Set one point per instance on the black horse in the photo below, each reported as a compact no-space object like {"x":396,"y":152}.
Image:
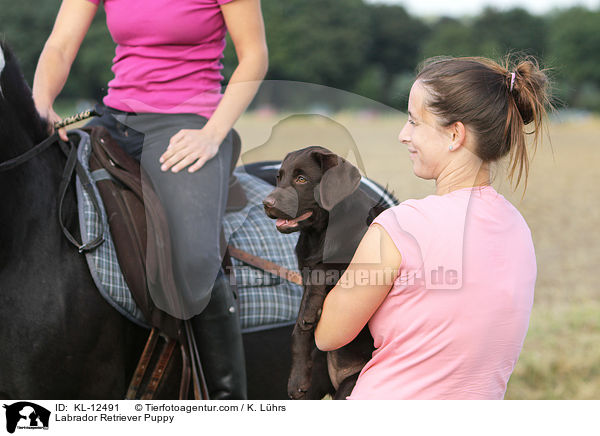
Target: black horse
{"x":59,"y":338}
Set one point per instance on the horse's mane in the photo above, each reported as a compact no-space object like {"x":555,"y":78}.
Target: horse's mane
{"x":18,"y":115}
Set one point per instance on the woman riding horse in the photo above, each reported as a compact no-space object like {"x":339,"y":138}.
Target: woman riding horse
{"x":165,"y":108}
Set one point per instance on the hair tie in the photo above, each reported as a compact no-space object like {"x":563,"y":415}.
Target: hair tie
{"x":512,"y":81}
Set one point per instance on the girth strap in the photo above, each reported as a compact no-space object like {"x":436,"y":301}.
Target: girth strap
{"x":265,"y":265}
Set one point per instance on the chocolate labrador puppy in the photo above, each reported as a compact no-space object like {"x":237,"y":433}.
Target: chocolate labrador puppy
{"x":318,"y":195}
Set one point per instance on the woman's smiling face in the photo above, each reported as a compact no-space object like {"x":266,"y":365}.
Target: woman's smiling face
{"x":426,"y":139}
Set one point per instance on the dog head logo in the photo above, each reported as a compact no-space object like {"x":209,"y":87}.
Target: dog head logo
{"x":26,"y":415}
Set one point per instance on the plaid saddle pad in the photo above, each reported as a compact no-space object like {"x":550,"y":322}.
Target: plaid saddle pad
{"x":263,"y":298}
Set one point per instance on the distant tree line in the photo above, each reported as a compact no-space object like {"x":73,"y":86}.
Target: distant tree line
{"x":369,"y":49}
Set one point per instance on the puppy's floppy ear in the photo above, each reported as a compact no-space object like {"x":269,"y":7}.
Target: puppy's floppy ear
{"x":340,"y":178}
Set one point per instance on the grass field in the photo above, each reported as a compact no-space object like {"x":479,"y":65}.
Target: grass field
{"x":561,"y":354}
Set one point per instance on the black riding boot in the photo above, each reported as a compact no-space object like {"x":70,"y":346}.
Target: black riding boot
{"x":219,"y":338}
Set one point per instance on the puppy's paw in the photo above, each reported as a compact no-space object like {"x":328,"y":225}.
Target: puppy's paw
{"x":298,"y":392}
{"x":298,"y":386}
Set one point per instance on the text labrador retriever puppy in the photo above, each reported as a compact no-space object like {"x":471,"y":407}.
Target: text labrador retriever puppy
{"x":318,"y":195}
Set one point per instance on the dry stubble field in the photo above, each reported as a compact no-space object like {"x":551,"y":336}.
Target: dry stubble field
{"x":561,"y":354}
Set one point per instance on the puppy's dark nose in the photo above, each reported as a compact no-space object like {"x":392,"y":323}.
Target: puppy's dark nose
{"x":269,"y":201}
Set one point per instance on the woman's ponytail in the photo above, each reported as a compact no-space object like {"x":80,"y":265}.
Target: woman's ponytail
{"x":528,"y":100}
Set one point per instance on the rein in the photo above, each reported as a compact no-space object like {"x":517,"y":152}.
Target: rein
{"x":70,"y":151}
{"x":15,"y":162}
{"x":37,"y":149}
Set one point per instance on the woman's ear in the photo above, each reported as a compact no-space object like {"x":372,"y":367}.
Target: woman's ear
{"x":458,"y":135}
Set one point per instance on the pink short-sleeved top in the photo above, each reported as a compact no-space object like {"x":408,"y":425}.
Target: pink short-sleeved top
{"x":453,"y":324}
{"x":168,"y":55}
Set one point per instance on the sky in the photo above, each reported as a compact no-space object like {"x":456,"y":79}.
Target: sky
{"x":473,"y":7}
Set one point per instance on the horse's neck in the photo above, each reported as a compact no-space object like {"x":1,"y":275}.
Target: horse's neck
{"x":16,"y":134}
{"x":29,"y":194}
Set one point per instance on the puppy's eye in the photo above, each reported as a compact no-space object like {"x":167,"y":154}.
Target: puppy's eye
{"x":301,"y":179}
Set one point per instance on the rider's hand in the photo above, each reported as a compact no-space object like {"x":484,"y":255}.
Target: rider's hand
{"x":52,"y":117}
{"x":192,"y":147}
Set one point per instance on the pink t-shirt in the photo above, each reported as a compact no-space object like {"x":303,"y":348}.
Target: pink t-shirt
{"x":168,"y":55}
{"x":453,"y":324}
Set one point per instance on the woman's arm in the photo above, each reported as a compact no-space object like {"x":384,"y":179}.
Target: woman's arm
{"x":71,"y":25}
{"x":360,"y":291}
{"x":245,"y":25}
